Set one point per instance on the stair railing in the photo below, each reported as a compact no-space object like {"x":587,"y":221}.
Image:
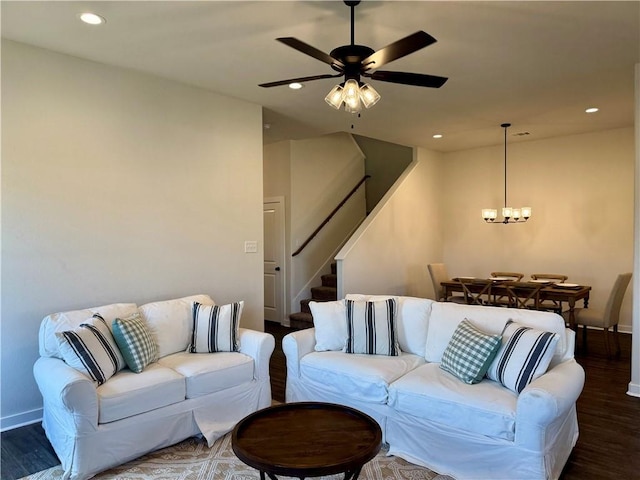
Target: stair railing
{"x":330,"y":216}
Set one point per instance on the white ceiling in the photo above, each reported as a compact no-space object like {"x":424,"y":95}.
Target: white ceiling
{"x":536,"y":64}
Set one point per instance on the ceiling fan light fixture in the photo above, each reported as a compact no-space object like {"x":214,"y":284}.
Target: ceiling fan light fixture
{"x":334,"y":97}
{"x":369,"y":95}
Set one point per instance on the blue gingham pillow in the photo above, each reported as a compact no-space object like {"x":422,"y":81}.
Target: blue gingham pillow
{"x":91,"y":349}
{"x":372,"y":327}
{"x":135,"y":341}
{"x":470,"y":352}
{"x":524,"y":356}
{"x":215,"y":328}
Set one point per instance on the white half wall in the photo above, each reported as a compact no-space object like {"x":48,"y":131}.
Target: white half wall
{"x":118,"y":187}
{"x":390,"y":251}
{"x":634,"y":384}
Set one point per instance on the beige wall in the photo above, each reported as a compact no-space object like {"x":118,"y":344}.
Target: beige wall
{"x":118,"y":187}
{"x":581,"y":191}
{"x":390,"y":251}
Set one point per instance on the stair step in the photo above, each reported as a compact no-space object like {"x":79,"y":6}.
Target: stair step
{"x":301,"y":320}
{"x":330,"y":280}
{"x":304,"y":305}
{"x":324,"y":293}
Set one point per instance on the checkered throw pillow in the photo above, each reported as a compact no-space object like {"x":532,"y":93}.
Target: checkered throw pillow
{"x":470,"y":352}
{"x":135,"y":341}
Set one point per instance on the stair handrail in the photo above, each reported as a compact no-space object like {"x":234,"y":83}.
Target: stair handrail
{"x":330,"y":216}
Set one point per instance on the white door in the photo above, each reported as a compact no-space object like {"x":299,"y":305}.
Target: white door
{"x":274,"y":259}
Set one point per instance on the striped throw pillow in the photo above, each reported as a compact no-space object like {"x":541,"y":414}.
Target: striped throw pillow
{"x":135,"y":341}
{"x":372,"y":327}
{"x":470,"y":352}
{"x":215,"y":328}
{"x":524,"y":356}
{"x":91,"y":349}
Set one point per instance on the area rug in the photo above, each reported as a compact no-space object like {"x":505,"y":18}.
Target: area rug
{"x":193,"y":460}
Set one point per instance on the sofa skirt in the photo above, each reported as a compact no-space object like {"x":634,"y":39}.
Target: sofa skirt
{"x":470,"y":456}
{"x":111,"y":444}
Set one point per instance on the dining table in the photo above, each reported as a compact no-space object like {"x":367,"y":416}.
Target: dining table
{"x":525,"y":294}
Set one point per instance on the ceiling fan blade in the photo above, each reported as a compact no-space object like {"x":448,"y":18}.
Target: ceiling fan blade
{"x":299,"y":80}
{"x":417,"y":79}
{"x":398,"y":49}
{"x":311,"y":51}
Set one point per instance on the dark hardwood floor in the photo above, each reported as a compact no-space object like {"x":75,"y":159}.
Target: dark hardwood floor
{"x":608,"y":447}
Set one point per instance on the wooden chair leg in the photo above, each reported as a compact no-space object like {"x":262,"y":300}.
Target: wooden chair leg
{"x":606,"y":342}
{"x":617,"y":339}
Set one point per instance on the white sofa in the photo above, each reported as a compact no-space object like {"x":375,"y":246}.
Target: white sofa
{"x":431,"y":418}
{"x":93,"y":428}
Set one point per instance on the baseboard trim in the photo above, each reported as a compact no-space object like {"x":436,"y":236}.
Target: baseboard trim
{"x":634,"y":390}
{"x":20,"y":420}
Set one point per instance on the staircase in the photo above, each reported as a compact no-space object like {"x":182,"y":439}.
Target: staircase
{"x":325,"y":293}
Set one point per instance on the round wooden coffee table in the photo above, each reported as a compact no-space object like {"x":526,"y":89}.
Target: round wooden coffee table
{"x":307,"y":439}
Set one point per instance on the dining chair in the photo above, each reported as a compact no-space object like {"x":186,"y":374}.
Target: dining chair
{"x":438,"y":272}
{"x":515,"y":276}
{"x":475,"y":290}
{"x":552,"y":305}
{"x":522,"y":294}
{"x":503,"y":300}
{"x":605,"y":319}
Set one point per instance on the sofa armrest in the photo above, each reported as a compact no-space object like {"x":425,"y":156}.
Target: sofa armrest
{"x":295,"y":346}
{"x":69,"y":396}
{"x":546,"y":400}
{"x":259,"y":346}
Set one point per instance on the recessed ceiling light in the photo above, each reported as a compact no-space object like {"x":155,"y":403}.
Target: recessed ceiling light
{"x":295,"y":86}
{"x":591,"y":110}
{"x":437,"y":135}
{"x":91,"y":18}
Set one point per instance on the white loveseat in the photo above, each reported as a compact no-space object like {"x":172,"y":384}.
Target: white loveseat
{"x":428,"y":416}
{"x":93,"y":428}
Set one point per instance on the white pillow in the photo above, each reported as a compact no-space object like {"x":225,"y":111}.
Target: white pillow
{"x":525,"y":354}
{"x":372,"y":327}
{"x":329,"y":320}
{"x":59,"y":322}
{"x":91,"y":349}
{"x":413,"y":320}
{"x":171,"y":322}
{"x":215,"y":328}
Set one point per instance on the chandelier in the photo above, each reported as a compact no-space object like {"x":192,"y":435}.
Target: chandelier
{"x":353,"y":94}
{"x":509,"y":214}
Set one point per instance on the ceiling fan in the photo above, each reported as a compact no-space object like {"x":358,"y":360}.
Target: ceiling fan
{"x":355,"y":61}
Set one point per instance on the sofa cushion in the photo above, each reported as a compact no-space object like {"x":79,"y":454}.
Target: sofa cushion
{"x":329,"y":320}
{"x":58,"y":322}
{"x":127,"y":393}
{"x":208,"y":373}
{"x":372,"y":327}
{"x":413,"y":320}
{"x":135,"y":341}
{"x":470,"y":353}
{"x":428,"y":392}
{"x":358,"y":377}
{"x":524,"y":356}
{"x":170,"y":322}
{"x":91,"y":349}
{"x":445,"y":317}
{"x":215,"y":327}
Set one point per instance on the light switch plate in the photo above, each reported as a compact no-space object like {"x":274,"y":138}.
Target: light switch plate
{"x":251,"y":246}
